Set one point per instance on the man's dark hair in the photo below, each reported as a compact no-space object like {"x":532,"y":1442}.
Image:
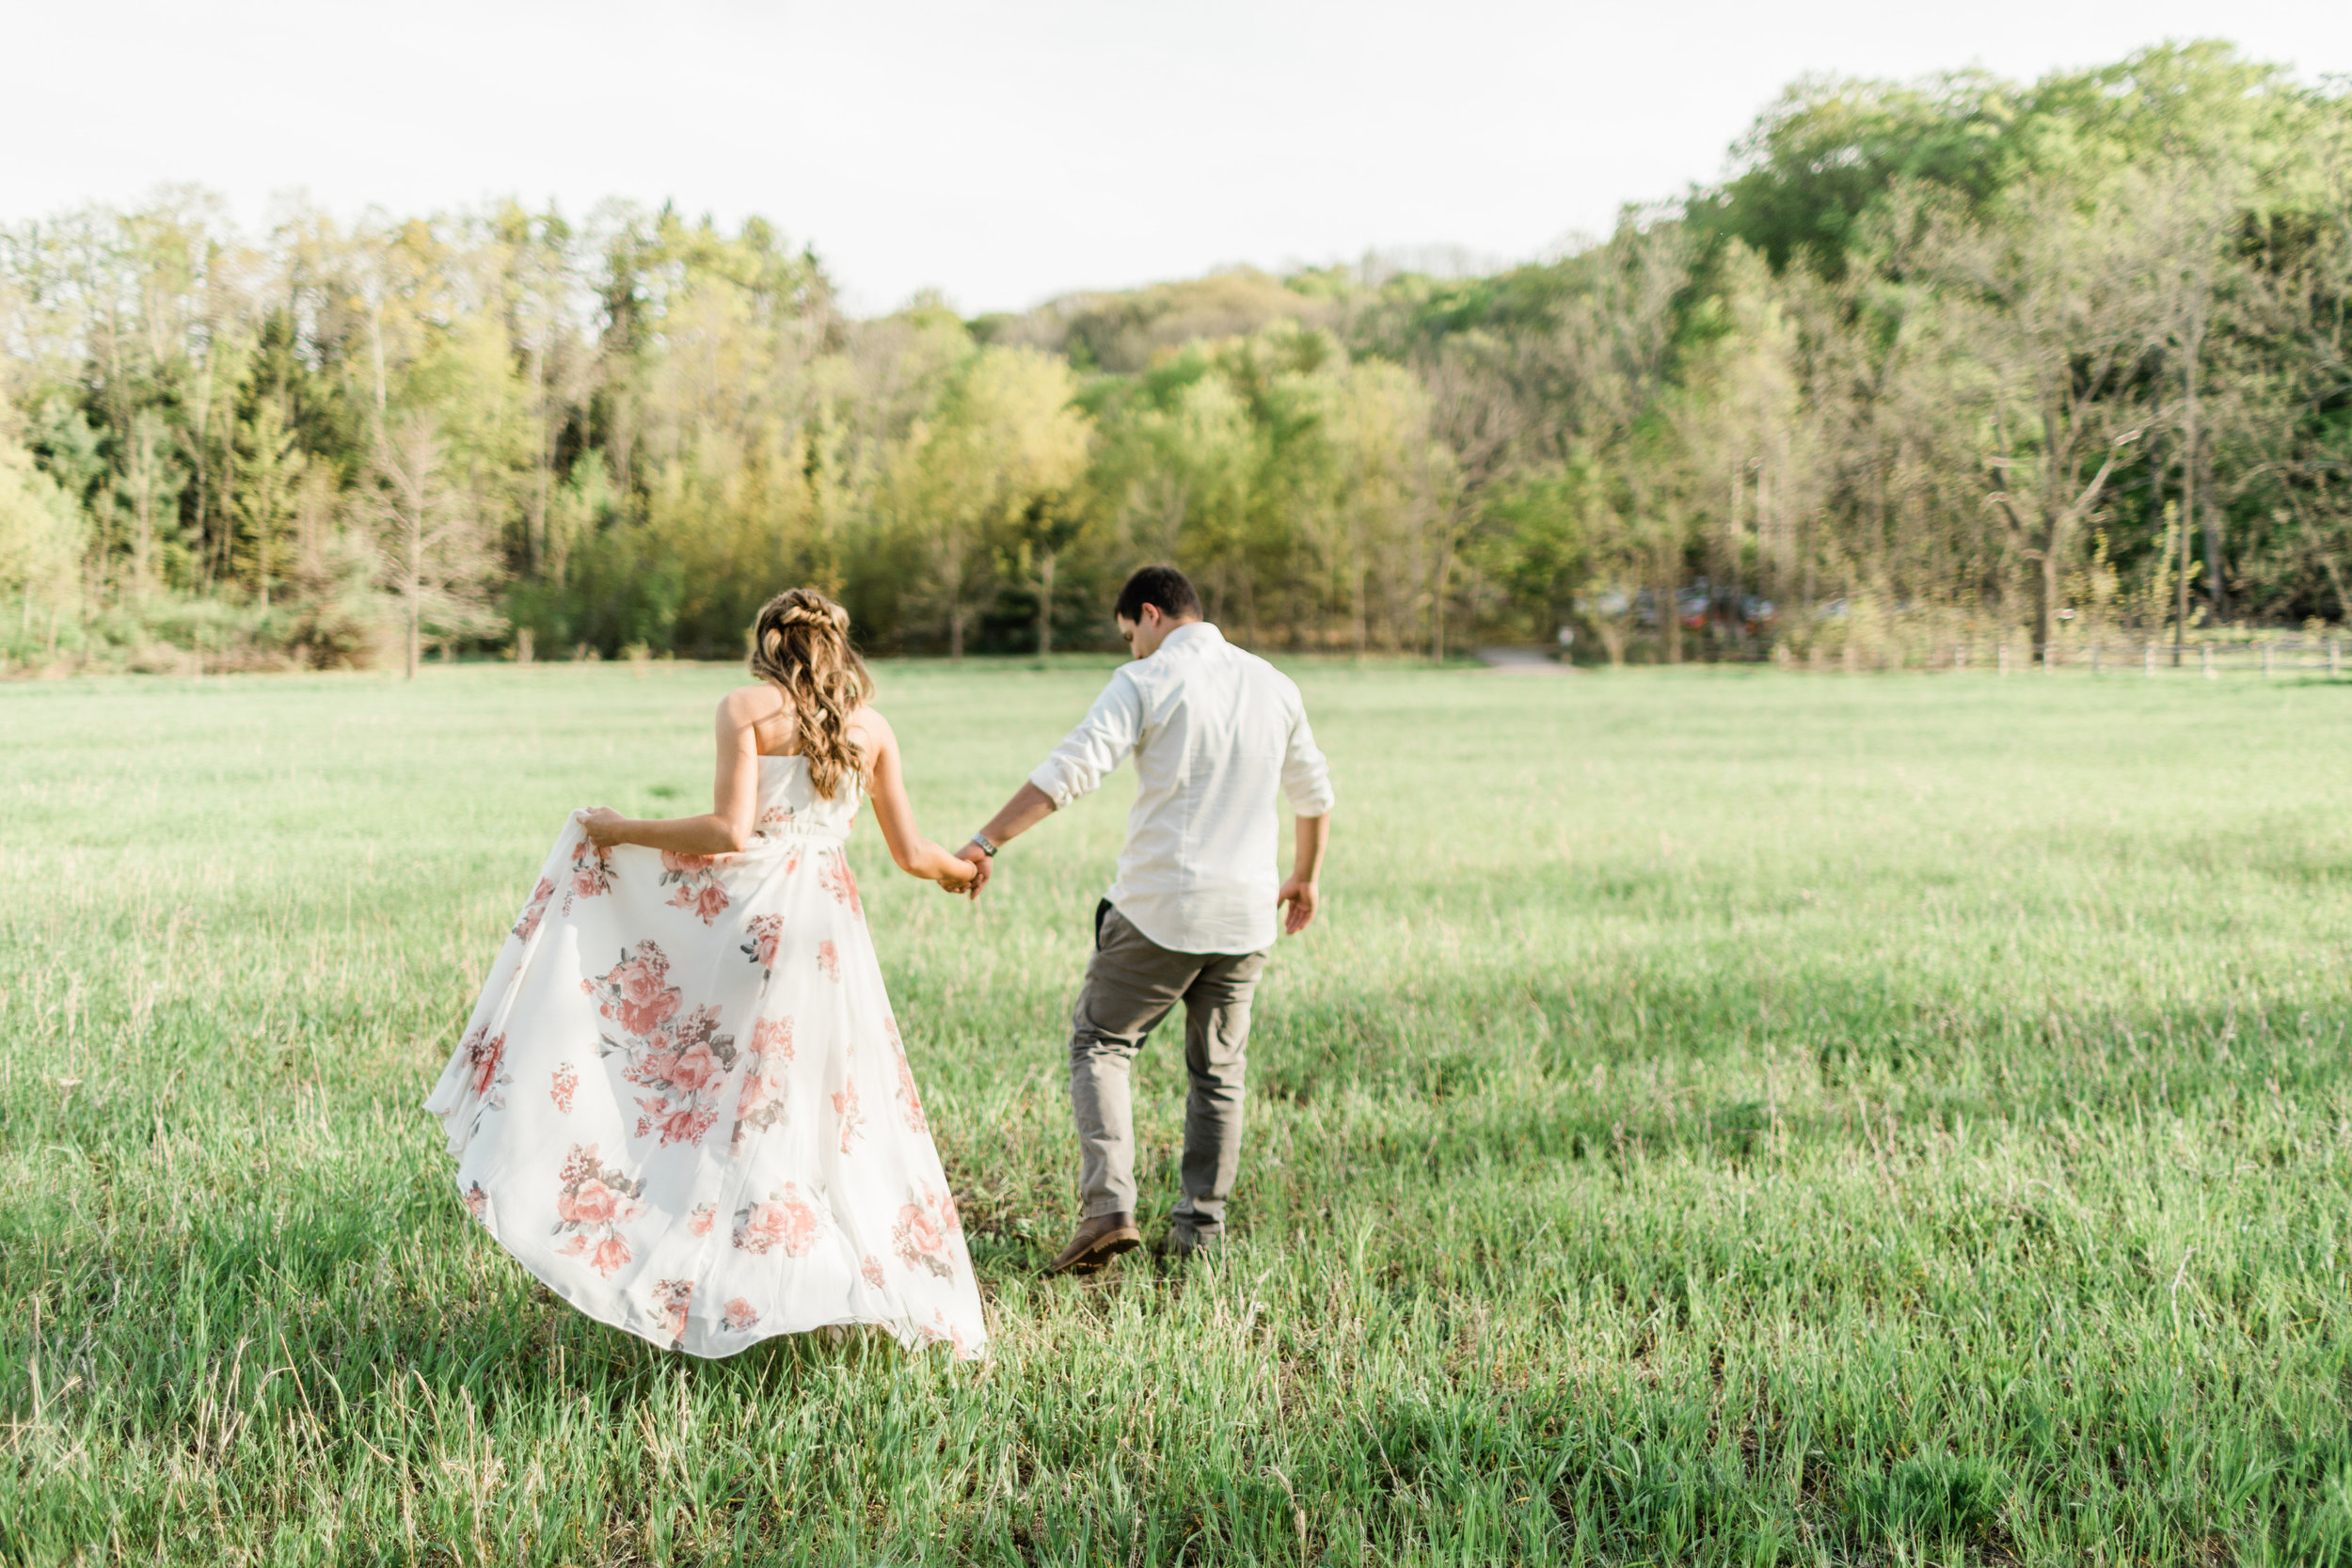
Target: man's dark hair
{"x":1163,"y":586}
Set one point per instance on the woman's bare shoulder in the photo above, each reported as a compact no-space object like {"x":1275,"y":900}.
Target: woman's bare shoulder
{"x":749,"y":705}
{"x":867,"y":720}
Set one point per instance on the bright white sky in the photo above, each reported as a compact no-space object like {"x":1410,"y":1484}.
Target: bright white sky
{"x":1005,"y":152}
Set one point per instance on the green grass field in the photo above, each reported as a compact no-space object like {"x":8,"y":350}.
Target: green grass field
{"x":1721,"y":1117}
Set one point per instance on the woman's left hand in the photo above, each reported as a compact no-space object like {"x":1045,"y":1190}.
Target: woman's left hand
{"x":603,"y":825}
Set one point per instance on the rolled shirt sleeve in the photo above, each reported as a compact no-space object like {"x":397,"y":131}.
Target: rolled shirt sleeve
{"x":1101,"y":742}
{"x":1306,"y":777}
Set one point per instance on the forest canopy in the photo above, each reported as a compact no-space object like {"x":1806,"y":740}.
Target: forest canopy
{"x":1942,"y":359}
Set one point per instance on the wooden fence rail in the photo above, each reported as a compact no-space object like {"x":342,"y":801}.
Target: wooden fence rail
{"x":2288,"y":655}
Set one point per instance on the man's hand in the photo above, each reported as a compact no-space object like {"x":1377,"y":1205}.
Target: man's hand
{"x":602,"y":825}
{"x":981,"y":867}
{"x":1302,"y":897}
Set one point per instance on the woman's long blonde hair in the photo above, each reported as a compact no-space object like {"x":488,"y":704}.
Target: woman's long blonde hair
{"x":800,"y":644}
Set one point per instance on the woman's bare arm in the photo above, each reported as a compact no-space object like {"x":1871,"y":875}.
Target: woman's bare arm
{"x":893,"y":815}
{"x":733,"y":790}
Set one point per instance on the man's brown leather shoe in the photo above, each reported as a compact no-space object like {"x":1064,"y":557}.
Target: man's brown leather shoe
{"x":1098,"y":1240}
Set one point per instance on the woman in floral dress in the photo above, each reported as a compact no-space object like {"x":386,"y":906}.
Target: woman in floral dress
{"x":682,"y":1101}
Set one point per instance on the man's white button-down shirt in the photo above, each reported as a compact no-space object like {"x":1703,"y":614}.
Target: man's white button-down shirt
{"x":1215,"y":732}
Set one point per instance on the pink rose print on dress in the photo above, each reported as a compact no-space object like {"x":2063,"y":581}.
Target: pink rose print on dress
{"x":687,"y":1069}
{"x":698,"y":890}
{"x":910,"y":1103}
{"x":775,"y":818}
{"x":871,"y":1271}
{"x":782,"y":1221}
{"x":920,"y":1237}
{"x":528,"y":920}
{"x":698,"y":1224}
{"x":486,"y":1077}
{"x":829,"y":962}
{"x":766,"y":931}
{"x":738,"y":1317}
{"x":835,"y":878}
{"x":595,"y":1202}
{"x":684,"y":1060}
{"x":561,"y":1082}
{"x":670,"y":1298}
{"x":760,"y":1099}
{"x":939,"y":1331}
{"x":478,"y":1203}
{"x":853,"y":1120}
{"x":592,"y":872}
{"x":486,"y":1066}
{"x":634,"y":992}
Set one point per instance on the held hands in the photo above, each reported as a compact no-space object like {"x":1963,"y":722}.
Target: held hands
{"x":956,"y":874}
{"x":973,"y":856}
{"x":964,"y":873}
{"x":1303,"y":898}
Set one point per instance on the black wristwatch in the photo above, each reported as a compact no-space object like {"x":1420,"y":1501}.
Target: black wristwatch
{"x":986,"y":848}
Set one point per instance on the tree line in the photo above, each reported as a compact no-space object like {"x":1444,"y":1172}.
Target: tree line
{"x":1942,"y":360}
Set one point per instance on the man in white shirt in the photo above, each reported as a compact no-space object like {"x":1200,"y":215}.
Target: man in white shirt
{"x":1216,"y":733}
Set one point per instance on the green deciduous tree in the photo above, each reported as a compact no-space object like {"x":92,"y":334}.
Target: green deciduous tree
{"x":1003,"y":446}
{"x":1877,"y":377}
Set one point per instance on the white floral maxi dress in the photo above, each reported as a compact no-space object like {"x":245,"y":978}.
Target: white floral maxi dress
{"x":683,"y":1103}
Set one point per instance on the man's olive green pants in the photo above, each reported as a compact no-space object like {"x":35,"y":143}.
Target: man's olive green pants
{"x":1132,"y":983}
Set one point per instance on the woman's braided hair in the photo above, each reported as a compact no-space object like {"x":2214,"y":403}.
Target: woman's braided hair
{"x":800,"y":644}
